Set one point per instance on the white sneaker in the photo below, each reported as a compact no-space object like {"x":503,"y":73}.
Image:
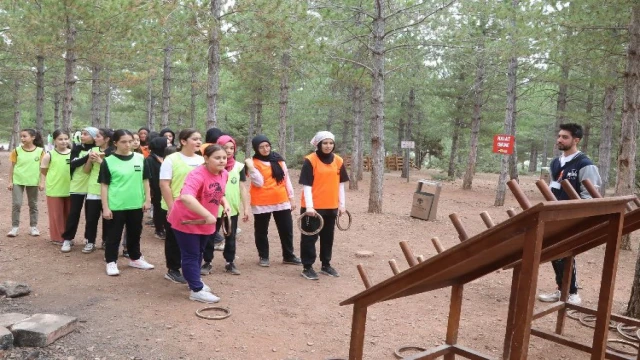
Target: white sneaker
{"x":205,"y":287}
{"x":66,"y":246}
{"x":204,"y":296}
{"x":238,"y":231}
{"x":13,"y":232}
{"x":574,"y":299}
{"x":88,"y":248}
{"x":550,"y":297}
{"x":34,"y":231}
{"x":112,"y":269}
{"x":141,"y":264}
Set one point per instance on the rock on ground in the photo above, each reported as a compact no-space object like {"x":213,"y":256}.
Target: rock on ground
{"x":42,"y":329}
{"x":6,"y":340}
{"x":7,"y":320}
{"x":14,"y":289}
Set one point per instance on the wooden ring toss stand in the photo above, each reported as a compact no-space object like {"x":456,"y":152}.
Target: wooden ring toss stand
{"x":539,"y":234}
{"x":348,"y":223}
{"x":226,"y":313}
{"x":310,"y":233}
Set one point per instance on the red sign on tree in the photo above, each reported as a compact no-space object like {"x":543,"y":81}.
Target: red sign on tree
{"x":503,"y":144}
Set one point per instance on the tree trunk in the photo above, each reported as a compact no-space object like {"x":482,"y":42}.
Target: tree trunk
{"x":213,"y":82}
{"x":150,"y":118}
{"x":194,"y":96}
{"x":358,"y":121}
{"x":376,"y":187}
{"x":533,"y":158}
{"x":401,"y":129}
{"x":250,"y":135}
{"x":40,"y":94}
{"x":545,"y":147}
{"x":107,"y":103}
{"x":343,"y":147}
{"x":15,"y":134}
{"x":166,"y":87}
{"x":508,"y":162}
{"x":259,"y":105}
{"x":587,"y":127}
{"x":478,"y":91}
{"x":70,"y":75}
{"x":563,"y":89}
{"x":406,"y":161}
{"x":455,"y":137}
{"x":330,"y":118}
{"x":56,"y":109}
{"x":606,"y":132}
{"x":284,"y":102}
{"x":625,"y":179}
{"x":95,"y":96}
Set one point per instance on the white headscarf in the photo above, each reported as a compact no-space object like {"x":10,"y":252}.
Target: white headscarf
{"x":321,"y":135}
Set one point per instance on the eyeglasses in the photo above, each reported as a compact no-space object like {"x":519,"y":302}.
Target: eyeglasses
{"x":264,"y":147}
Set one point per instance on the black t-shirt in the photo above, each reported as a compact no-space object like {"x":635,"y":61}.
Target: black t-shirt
{"x":105,"y":175}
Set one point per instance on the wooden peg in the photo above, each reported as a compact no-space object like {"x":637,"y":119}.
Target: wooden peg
{"x":420,"y":258}
{"x":511,"y":213}
{"x":462,"y":233}
{"x":545,"y":190}
{"x":519,"y":195}
{"x":636,"y":201}
{"x":364,"y":276}
{"x":411,"y":260}
{"x":591,"y":189}
{"x":569,"y":190}
{"x":436,"y":243}
{"x":487,"y":219}
{"x":394,"y":266}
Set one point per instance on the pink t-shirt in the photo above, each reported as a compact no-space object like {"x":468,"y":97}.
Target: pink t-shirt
{"x":208,"y":189}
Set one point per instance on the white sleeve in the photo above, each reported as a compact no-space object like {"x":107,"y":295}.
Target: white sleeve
{"x":166,"y":169}
{"x":308,"y":196}
{"x":287,"y":181}
{"x":341,"y":196}
{"x":256,"y":177}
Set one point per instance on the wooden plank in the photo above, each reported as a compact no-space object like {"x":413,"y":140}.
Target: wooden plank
{"x":358,"y":324}
{"x":607,"y":285}
{"x":559,"y":339}
{"x":527,"y":284}
{"x":564,"y":293}
{"x":470,"y":353}
{"x":515,"y":277}
{"x":455,"y":311}
{"x":550,"y":309}
{"x":431,"y":353}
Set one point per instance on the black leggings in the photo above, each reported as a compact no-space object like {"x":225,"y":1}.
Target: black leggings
{"x":284,"y":224}
{"x":77,"y":201}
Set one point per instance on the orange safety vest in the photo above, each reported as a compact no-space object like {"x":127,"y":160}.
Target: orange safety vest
{"x":270,"y":193}
{"x":326,"y":182}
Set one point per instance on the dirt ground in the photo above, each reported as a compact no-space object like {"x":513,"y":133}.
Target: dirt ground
{"x":277,"y":314}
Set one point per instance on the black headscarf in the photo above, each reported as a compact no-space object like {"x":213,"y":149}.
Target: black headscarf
{"x":165,"y":131}
{"x":325,"y":158}
{"x":212,"y":135}
{"x":276,"y":170}
{"x":146,"y":141}
{"x":157,"y":146}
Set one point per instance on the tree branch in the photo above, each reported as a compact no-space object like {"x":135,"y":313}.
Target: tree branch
{"x":350,"y":8}
{"x":418,"y":22}
{"x":353,"y":62}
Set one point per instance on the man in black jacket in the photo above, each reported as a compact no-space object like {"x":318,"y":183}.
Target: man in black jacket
{"x":576,"y":167}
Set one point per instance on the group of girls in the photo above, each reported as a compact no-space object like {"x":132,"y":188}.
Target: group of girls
{"x":192,"y":191}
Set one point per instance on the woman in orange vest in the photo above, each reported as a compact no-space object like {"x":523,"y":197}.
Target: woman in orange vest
{"x":322,"y":176}
{"x":271,"y":193}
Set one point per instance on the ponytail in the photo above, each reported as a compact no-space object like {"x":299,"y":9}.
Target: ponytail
{"x":37,"y":141}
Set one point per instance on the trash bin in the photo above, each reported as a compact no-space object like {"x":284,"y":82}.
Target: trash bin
{"x":425,"y":203}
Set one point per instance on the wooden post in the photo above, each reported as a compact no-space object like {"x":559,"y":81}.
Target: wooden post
{"x":545,"y":190}
{"x":437,"y":244}
{"x":515,"y":278}
{"x":462,"y":233}
{"x":411,"y":260}
{"x":358,"y":325}
{"x":394,"y":266}
{"x":455,"y":311}
{"x":592,"y":189}
{"x":518,"y":194}
{"x":511,"y":213}
{"x":564,"y":292}
{"x":364,"y":276}
{"x":607,"y":284}
{"x":487,"y":219}
{"x":568,"y":188}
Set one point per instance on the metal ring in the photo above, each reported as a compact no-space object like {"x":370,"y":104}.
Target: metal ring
{"x":401,"y":349}
{"x":225,"y":227}
{"x":588,"y":320}
{"x":625,"y":342}
{"x":338,"y":221}
{"x":226,"y":311}
{"x":628,"y":332}
{"x":315,"y":232}
{"x":574,"y":314}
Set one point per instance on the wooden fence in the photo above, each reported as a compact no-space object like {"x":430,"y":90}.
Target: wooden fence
{"x":392,"y":162}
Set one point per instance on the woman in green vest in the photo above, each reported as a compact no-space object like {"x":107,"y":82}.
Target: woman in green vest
{"x":24,"y":175}
{"x":125,"y":196}
{"x":55,"y":179}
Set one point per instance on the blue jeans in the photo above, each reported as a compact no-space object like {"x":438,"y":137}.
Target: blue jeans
{"x":191,"y":250}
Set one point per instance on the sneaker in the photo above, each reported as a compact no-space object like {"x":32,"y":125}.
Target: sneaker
{"x":112,"y":269}
{"x":293,"y":261}
{"x":33,"y":231}
{"x":550,"y":297}
{"x":89,"y":248}
{"x":238,"y":231}
{"x":160,"y":235}
{"x":205,"y":287}
{"x":13,"y":232}
{"x":328,"y":270}
{"x":141,"y":264}
{"x":574,"y":299}
{"x":203,"y":296}
{"x":125,"y":253}
{"x":231,"y":268}
{"x":219,"y":246}
{"x":264,"y":262}
{"x":66,"y":246}
{"x":206,"y":269}
{"x":175,"y":276}
{"x":309,"y":274}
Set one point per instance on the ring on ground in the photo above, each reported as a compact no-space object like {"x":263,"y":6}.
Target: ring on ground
{"x":623,"y":342}
{"x":226,"y":312}
{"x":310,"y":233}
{"x":628,"y":332}
{"x":348,"y":223}
{"x":401,"y":349}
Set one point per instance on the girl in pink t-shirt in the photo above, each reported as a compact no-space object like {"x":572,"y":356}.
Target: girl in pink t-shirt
{"x":193,"y":217}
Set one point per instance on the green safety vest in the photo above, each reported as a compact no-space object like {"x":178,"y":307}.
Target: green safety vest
{"x":26,"y":171}
{"x":94,"y":186}
{"x":179,"y":172}
{"x":58,"y":175}
{"x":80,"y":179}
{"x":232,"y":191}
{"x":126,"y":189}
